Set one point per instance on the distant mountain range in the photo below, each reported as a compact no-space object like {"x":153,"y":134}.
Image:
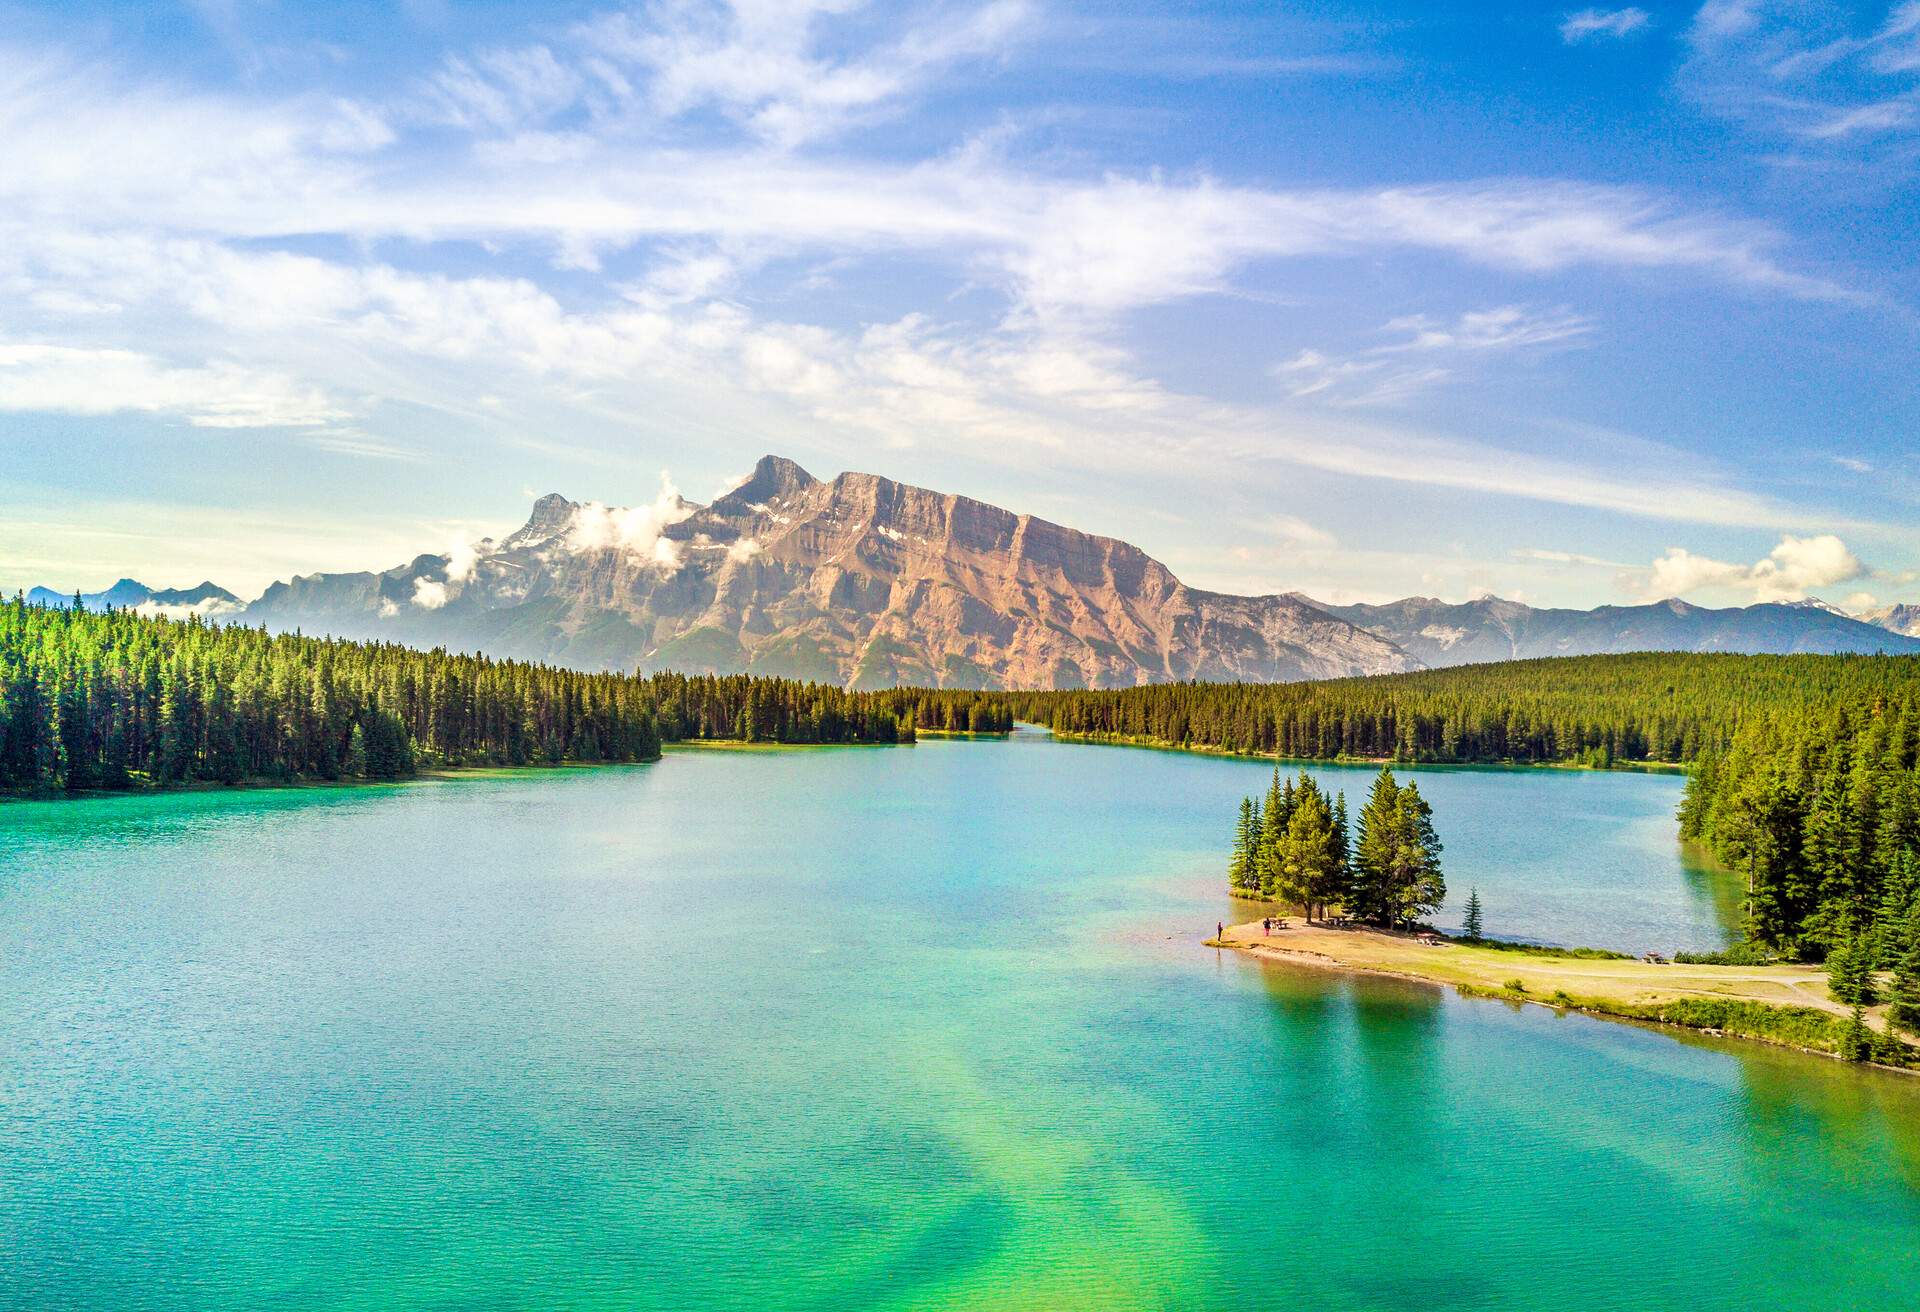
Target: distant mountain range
{"x":865,"y":582}
{"x":1898,"y":619}
{"x":207,"y":599}
{"x":1438,"y":633}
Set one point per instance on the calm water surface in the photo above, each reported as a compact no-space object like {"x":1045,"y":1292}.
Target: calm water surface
{"x":913,"y":1027}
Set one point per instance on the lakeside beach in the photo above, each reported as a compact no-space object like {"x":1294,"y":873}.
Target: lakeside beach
{"x":1799,"y":1008}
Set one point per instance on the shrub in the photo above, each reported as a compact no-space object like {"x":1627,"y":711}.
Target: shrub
{"x":1740,"y":954}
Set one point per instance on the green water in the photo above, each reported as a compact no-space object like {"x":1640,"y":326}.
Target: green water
{"x":920,"y":1027}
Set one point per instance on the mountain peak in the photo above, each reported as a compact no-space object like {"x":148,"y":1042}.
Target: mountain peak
{"x":772,"y":476}
{"x":551,"y":511}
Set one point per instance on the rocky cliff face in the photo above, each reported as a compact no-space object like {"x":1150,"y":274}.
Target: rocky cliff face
{"x":859,"y":581}
{"x":1493,"y":629}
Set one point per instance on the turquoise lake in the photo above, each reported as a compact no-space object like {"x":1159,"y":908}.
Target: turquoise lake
{"x":920,"y":1027}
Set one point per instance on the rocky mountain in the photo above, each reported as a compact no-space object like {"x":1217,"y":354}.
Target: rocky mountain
{"x":1900,"y":619}
{"x":207,"y":599}
{"x":1439,"y":633}
{"x":858,"y":580}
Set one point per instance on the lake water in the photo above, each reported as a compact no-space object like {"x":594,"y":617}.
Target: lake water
{"x":877,"y":1027}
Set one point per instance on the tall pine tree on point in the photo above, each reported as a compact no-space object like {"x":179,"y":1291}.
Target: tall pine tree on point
{"x":1240,"y":872}
{"x":1473,"y":927}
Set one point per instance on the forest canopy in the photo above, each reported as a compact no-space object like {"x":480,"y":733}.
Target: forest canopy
{"x":1669,"y":707}
{"x":116,"y":700}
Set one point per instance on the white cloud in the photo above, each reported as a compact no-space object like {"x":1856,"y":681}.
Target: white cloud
{"x":1789,"y":572}
{"x":1397,"y":370}
{"x":498,"y":90}
{"x":168,"y":205}
{"x":429,"y":595}
{"x":1880,"y":116}
{"x":1055,"y":246}
{"x":92,"y":381}
{"x":635,"y":531}
{"x":743,"y":549}
{"x":1061,"y":391}
{"x":1602,"y":23}
{"x":464,"y":556}
{"x":1831,"y":84}
{"x":209,"y":608}
{"x":1549,"y":556}
{"x":761,"y":66}
{"x":1293,"y":531}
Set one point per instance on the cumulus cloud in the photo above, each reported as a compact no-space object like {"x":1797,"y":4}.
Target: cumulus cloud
{"x":464,"y":555}
{"x":428,"y":594}
{"x":1602,"y":23}
{"x":743,"y":549}
{"x":636,"y":530}
{"x":1789,"y":572}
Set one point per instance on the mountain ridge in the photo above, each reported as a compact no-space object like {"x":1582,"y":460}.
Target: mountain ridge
{"x":1443,"y":634}
{"x":865,"y":581}
{"x":859,"y":580}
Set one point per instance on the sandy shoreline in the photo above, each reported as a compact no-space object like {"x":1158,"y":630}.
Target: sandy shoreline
{"x":1613,"y":988}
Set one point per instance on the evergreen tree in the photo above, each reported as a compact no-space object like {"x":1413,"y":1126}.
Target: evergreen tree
{"x":1418,"y":886}
{"x":1375,"y":850}
{"x":1310,"y":852}
{"x":1343,"y":843}
{"x":1903,"y":996}
{"x":1272,"y":830}
{"x":1856,"y":1040}
{"x":1240,"y":872}
{"x":1850,"y":973}
{"x":1473,"y":928}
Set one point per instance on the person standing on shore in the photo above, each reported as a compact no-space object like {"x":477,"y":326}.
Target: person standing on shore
{"x":1220,"y":929}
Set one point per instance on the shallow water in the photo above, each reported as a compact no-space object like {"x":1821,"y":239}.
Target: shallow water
{"x":913,"y":1027}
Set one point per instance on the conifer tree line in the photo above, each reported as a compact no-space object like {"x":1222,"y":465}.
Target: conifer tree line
{"x":1595,"y":710}
{"x":113,"y":699}
{"x":1819,"y":814}
{"x":1295,"y":846}
{"x":757,"y":709}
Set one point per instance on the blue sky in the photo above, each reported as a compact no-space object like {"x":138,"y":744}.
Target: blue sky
{"x":1575,"y":305}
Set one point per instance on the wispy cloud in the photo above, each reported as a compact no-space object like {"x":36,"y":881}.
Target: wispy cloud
{"x":1829,"y":83}
{"x":761,"y":67}
{"x":1590,"y":23}
{"x":269,"y":240}
{"x":87,"y":381}
{"x":1425,"y":353}
{"x":1549,"y":556}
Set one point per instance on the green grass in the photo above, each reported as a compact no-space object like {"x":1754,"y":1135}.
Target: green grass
{"x":1740,"y":954}
{"x":1794,"y":1027}
{"x":1541,"y":950}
